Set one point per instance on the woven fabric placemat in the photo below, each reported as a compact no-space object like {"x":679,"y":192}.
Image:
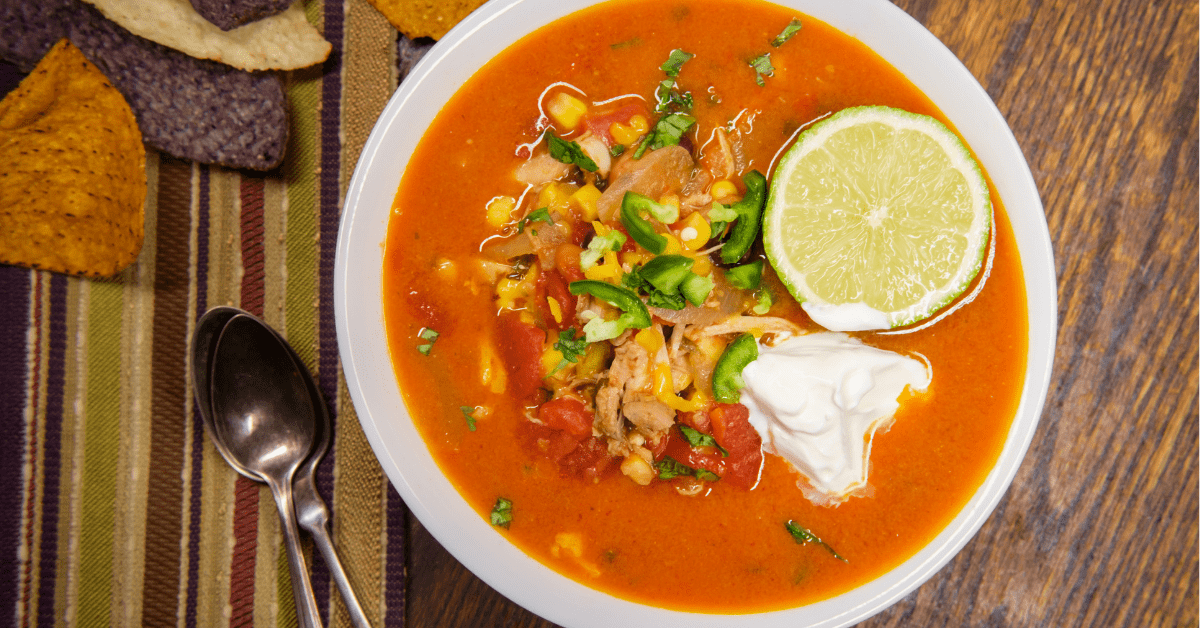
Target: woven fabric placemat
{"x":115,"y":509}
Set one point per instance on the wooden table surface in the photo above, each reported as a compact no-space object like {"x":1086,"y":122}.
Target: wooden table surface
{"x":1100,"y":525}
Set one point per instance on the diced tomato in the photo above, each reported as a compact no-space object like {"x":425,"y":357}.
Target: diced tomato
{"x":567,"y":414}
{"x":546,"y":442}
{"x":732,"y":429}
{"x":566,"y":261}
{"x":556,"y":288}
{"x":599,"y":123}
{"x":520,"y":347}
{"x":707,"y":458}
{"x":697,"y":420}
{"x":589,"y":461}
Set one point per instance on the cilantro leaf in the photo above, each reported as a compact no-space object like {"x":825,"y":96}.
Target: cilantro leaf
{"x":666,"y":94}
{"x":569,"y":152}
{"x":537,"y":215}
{"x":570,"y":346}
{"x":675,"y":62}
{"x":429,"y":336}
{"x":762,"y":67}
{"x":467,"y":410}
{"x":803,"y":536}
{"x":669,"y":468}
{"x":502,"y":513}
{"x":696,"y":438}
{"x":791,"y":29}
{"x":668,"y":131}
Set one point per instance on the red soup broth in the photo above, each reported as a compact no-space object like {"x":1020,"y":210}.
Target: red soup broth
{"x":726,"y":551}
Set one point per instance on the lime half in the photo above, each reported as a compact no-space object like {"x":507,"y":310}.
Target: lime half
{"x":877,"y":218}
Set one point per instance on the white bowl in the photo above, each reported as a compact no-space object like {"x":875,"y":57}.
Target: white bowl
{"x":433,"y":499}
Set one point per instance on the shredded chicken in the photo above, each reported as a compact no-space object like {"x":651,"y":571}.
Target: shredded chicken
{"x":650,"y":416}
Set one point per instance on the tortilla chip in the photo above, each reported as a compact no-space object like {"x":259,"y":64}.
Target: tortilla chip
{"x":425,"y":18}
{"x":229,"y":14}
{"x":281,"y":42}
{"x":72,"y":170}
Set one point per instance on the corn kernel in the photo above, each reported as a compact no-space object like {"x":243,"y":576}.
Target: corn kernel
{"x":551,"y":358}
{"x":722,"y":190}
{"x":635,"y":257}
{"x":673,"y":245}
{"x":491,"y":370}
{"x":584,"y":199}
{"x":695,"y":233}
{"x":566,"y":110}
{"x":701,"y":265}
{"x":446,"y":270}
{"x":670,"y":199}
{"x":628,"y":134}
{"x":651,"y":340}
{"x":638,"y":470}
{"x":499,"y":210}
{"x":555,"y":195}
{"x":711,"y":346}
{"x":610,"y":268}
{"x":569,"y":542}
{"x":555,"y":309}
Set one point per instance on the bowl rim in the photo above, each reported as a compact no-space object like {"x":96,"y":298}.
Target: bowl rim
{"x":371,"y":381}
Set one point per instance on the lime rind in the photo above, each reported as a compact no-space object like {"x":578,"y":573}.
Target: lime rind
{"x":834,"y":260}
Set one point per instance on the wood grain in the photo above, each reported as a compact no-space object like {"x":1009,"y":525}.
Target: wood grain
{"x":1100,"y":526}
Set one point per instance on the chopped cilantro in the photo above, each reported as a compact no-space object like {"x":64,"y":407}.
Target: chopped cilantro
{"x":429,"y":336}
{"x":696,"y":438}
{"x":803,"y":536}
{"x":617,"y":150}
{"x":569,"y":152}
{"x":669,"y":468}
{"x":467,"y":412}
{"x":502,"y":513}
{"x":762,"y":67}
{"x":570,"y":346}
{"x":668,"y":131}
{"x":537,"y":215}
{"x":792,"y":28}
{"x":675,"y":62}
{"x":666,"y":94}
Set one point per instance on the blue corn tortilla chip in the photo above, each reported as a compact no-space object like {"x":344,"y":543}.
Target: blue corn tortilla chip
{"x":190,"y":108}
{"x":30,"y":28}
{"x":228,"y":14}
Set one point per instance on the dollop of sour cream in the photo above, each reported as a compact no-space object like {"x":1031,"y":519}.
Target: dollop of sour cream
{"x":816,"y":400}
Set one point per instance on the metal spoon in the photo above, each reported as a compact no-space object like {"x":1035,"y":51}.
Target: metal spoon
{"x":264,"y":426}
{"x":311,"y":510}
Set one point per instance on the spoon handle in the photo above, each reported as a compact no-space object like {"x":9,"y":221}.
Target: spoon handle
{"x":314,"y":517}
{"x":324,"y":543}
{"x":306,"y":603}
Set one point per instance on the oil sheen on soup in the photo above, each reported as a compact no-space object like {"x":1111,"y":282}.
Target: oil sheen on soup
{"x":491,"y":233}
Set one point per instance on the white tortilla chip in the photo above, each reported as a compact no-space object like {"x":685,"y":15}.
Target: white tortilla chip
{"x":285,"y":41}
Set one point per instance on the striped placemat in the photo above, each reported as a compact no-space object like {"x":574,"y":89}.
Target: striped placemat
{"x":115,"y":509}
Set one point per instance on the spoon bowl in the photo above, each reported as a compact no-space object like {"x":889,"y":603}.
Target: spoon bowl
{"x":311,"y":510}
{"x":263,"y":422}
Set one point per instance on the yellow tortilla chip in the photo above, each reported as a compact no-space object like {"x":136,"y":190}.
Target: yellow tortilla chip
{"x":285,"y":41}
{"x":72,"y":170}
{"x":425,"y":18}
